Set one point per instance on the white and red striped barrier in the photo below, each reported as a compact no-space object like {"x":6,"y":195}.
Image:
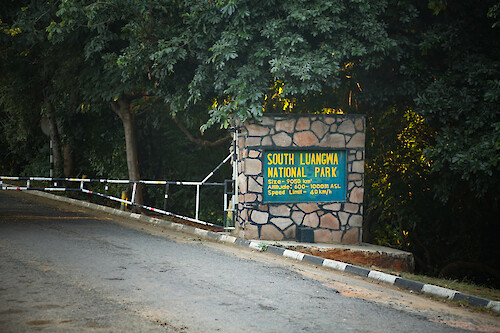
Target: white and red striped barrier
{"x":134,"y":183}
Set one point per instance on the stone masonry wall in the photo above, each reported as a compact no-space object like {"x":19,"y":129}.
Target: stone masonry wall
{"x":338,"y":222}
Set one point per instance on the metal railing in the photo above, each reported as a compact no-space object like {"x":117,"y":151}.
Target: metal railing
{"x":228,"y":224}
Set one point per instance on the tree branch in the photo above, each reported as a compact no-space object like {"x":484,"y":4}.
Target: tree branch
{"x":200,"y":142}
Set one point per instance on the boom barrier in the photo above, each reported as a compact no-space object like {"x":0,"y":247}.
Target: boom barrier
{"x":228,"y":224}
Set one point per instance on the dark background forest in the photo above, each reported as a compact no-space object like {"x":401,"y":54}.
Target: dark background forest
{"x":147,"y":90}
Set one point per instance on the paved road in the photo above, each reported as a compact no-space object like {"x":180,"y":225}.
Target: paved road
{"x":66,"y":269}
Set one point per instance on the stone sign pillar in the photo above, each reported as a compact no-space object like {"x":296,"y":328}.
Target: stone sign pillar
{"x":301,"y":171}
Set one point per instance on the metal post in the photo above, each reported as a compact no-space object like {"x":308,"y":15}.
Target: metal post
{"x":166,"y":197}
{"x":228,"y":207}
{"x":52,"y":162}
{"x":123,"y":205}
{"x":225,"y":205}
{"x":235,"y":176}
{"x":51,"y":159}
{"x":134,"y":188}
{"x":197,"y":201}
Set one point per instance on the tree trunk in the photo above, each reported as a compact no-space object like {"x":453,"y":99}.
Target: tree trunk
{"x":123,"y":109}
{"x":54,"y":137}
{"x":68,"y":161}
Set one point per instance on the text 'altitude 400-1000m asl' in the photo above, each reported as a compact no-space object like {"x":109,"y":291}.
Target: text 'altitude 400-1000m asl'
{"x":304,"y":176}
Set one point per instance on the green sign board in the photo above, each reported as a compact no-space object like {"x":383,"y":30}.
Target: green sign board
{"x":304,"y":176}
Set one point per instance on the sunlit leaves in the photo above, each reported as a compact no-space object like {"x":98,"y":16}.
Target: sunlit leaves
{"x":299,"y":43}
{"x":398,"y":174}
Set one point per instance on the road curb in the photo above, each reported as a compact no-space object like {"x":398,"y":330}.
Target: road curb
{"x":415,"y":286}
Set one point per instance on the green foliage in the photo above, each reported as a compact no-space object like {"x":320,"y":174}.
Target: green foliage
{"x":398,"y":175}
{"x":20,"y":93}
{"x":448,"y":76}
{"x":123,"y":40}
{"x":462,"y":102}
{"x":302,"y":44}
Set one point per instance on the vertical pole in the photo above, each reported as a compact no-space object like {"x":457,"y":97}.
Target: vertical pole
{"x":166,"y":197}
{"x":197,"y":201}
{"x":123,"y":206}
{"x":51,"y":159}
{"x":228,"y":206}
{"x":134,"y":188}
{"x":52,"y":162}
{"x":235,"y":176}
{"x":224,"y":200}
{"x":225,"y":209}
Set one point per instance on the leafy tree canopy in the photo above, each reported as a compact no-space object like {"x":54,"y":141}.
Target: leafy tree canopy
{"x":297,"y":48}
{"x":462,"y":101}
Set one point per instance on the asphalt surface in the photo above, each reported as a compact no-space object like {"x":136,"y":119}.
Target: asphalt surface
{"x":64,"y":268}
